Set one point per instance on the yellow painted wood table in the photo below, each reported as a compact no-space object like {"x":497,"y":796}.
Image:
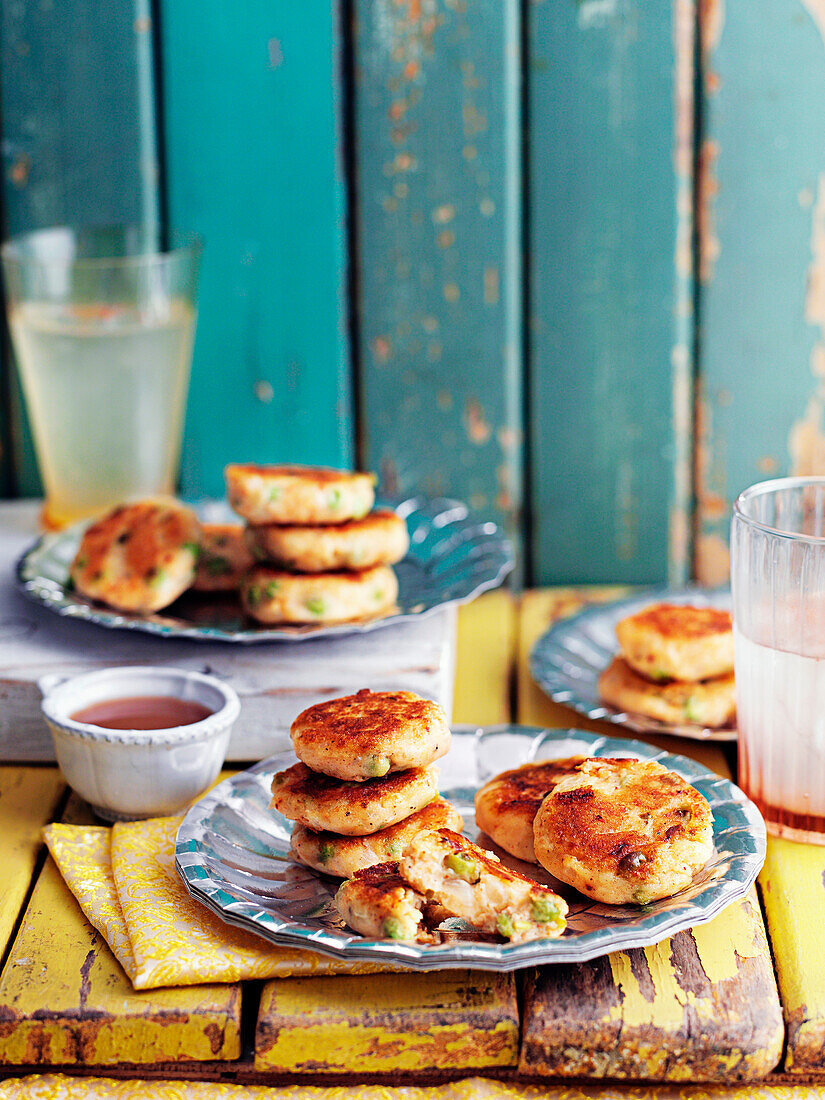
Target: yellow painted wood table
{"x":712,"y":1005}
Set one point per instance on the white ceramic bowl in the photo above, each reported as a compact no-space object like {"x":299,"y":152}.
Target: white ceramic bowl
{"x":131,"y":774}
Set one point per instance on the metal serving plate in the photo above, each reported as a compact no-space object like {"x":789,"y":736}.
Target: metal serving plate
{"x":452,"y":559}
{"x":568,"y":659}
{"x":233,"y":855}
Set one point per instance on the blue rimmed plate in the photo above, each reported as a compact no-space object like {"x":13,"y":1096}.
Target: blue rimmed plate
{"x":568,"y":659}
{"x":453,"y":558}
{"x":233,"y":855}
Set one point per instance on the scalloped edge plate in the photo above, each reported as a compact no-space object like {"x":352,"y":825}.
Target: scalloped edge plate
{"x":452,"y":559}
{"x":568,"y":658}
{"x":232,"y":855}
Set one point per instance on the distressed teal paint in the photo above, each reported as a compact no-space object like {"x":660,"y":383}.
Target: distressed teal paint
{"x":605,"y":290}
{"x":764,"y":152}
{"x":79,"y":143}
{"x":439,"y":188}
{"x":252,"y":111}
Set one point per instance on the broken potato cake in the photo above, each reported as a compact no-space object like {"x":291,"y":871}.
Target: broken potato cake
{"x":473,"y":884}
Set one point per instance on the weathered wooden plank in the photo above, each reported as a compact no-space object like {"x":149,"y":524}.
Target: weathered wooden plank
{"x":64,"y":999}
{"x":79,"y":134}
{"x":610,"y":334}
{"x":437,"y":121}
{"x":762,"y":235}
{"x":253,"y":124}
{"x":702,"y":1006}
{"x":793,"y":891}
{"x":485,"y":657}
{"x":539,"y":609}
{"x":381,"y":1024}
{"x":28,"y":799}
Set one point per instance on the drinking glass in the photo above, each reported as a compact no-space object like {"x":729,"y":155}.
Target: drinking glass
{"x":778,"y":582}
{"x":102,"y":322}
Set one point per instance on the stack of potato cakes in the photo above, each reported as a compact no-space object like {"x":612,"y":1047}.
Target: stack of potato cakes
{"x":367,"y":782}
{"x":676,"y":665}
{"x":322,"y":554}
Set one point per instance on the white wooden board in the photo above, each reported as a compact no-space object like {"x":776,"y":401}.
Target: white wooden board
{"x":274,"y":681}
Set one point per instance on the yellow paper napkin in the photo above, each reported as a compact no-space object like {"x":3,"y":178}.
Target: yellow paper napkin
{"x":125,"y":882}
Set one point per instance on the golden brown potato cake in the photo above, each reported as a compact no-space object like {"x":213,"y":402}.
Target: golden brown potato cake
{"x":271,"y":596}
{"x":473,"y":884}
{"x":224,"y":558}
{"x":379,"y":539}
{"x":676,"y":642}
{"x":298,"y":494}
{"x":138,"y":557}
{"x":344,"y":855}
{"x":371,"y":733}
{"x":624,"y":831}
{"x":507,"y":804}
{"x":380,"y":905}
{"x":708,"y":703}
{"x":353,"y":809}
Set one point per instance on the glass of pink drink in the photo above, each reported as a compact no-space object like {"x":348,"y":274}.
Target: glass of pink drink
{"x":778,"y":583}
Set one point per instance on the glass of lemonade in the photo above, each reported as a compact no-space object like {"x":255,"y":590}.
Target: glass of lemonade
{"x":102,"y":323}
{"x":778,"y":582}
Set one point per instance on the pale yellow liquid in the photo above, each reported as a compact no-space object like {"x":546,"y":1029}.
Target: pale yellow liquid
{"x":105,"y":388}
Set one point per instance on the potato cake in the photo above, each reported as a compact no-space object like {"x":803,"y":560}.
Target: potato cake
{"x":298,"y":494}
{"x":272,"y":596}
{"x":379,"y":539}
{"x":223,"y":559}
{"x":371,"y":733}
{"x":475,"y":885}
{"x":344,"y":855}
{"x":624,"y":831}
{"x":138,"y":557}
{"x":708,"y":703}
{"x":678,"y":642}
{"x":507,"y":804}
{"x":353,"y":809}
{"x":380,"y":905}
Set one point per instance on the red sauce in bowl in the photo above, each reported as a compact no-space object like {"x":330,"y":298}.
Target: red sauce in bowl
{"x":142,"y":712}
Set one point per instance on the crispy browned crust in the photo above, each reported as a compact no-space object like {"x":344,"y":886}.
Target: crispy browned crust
{"x":682,"y":621}
{"x":521,"y":790}
{"x":124,"y":554}
{"x":593,"y":827}
{"x":381,"y":878}
{"x":368,"y":721}
{"x":303,"y":783}
{"x":461,"y":846}
{"x":623,"y":687}
{"x":319,"y":475}
{"x":377,"y":521}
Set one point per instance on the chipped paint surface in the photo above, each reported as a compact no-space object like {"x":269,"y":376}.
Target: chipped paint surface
{"x":806,"y":442}
{"x":439,"y":205}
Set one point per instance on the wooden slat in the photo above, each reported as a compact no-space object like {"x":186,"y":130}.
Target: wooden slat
{"x":28,"y":798}
{"x":65,"y":1000}
{"x":610,"y":337}
{"x":437,"y":121}
{"x":385,"y":1024}
{"x":793,"y":892}
{"x":485,"y":658}
{"x":252,"y":111}
{"x":78,"y":124}
{"x":702,"y":1005}
{"x":762,"y":236}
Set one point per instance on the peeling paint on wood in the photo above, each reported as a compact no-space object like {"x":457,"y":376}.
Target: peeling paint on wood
{"x":762,"y":221}
{"x":451,"y":1020}
{"x":439,"y":191}
{"x":611,"y":289}
{"x":702,"y":1006}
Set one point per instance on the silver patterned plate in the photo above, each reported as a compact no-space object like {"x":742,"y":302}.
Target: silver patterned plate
{"x":567,"y":660}
{"x":232,"y":853}
{"x":452,"y":559}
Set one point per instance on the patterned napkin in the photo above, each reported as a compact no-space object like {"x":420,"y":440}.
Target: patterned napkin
{"x":125,"y":881}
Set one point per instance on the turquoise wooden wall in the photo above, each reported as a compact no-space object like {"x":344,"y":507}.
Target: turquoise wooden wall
{"x":560,"y":258}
